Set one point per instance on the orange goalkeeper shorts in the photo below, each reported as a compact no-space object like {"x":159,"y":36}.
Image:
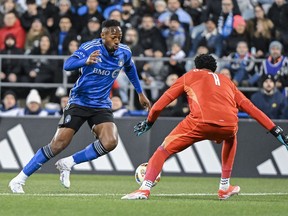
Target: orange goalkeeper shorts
{"x":187,"y":132}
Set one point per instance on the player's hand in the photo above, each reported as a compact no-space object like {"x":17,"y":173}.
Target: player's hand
{"x":278,"y":133}
{"x":142,"y":127}
{"x":144,"y":101}
{"x":93,"y":58}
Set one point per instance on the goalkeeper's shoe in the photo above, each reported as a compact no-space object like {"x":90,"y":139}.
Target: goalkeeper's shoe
{"x":16,"y":186}
{"x":64,"y":167}
{"x":225,"y":194}
{"x":138,"y":194}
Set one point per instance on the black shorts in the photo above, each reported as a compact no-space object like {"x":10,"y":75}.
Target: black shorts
{"x":75,"y":115}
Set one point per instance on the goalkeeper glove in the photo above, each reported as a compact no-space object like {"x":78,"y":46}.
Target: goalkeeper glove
{"x":278,"y":133}
{"x":142,"y":127}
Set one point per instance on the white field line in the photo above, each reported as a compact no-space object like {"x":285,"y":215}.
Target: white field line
{"x":111,"y":194}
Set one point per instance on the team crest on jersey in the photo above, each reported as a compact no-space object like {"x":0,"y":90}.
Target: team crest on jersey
{"x":121,"y":62}
{"x":115,"y":73}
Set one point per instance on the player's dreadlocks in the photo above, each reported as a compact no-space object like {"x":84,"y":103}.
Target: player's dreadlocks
{"x":110,"y":23}
{"x":205,"y":61}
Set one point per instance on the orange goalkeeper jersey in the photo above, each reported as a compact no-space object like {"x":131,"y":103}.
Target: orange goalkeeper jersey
{"x":212,"y":98}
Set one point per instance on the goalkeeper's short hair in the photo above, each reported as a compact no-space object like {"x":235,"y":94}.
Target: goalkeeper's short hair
{"x":205,"y":61}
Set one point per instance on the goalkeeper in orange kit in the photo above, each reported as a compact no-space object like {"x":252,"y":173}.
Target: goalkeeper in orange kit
{"x":213,"y":101}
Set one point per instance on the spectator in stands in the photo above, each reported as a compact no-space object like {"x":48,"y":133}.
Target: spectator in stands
{"x":129,"y":17}
{"x":11,"y":68}
{"x":118,"y":108}
{"x":72,"y":76}
{"x":49,"y":10}
{"x":200,"y":50}
{"x":174,"y":6}
{"x":274,"y":14}
{"x":176,"y":63}
{"x":178,"y":107}
{"x":170,"y":80}
{"x":275,"y":65}
{"x":33,"y":105}
{"x":284,"y":28}
{"x":217,"y":8}
{"x":153,"y":44}
{"x":5,"y":7}
{"x":209,"y":38}
{"x":241,"y":65}
{"x":246,"y":8}
{"x":92,"y":11}
{"x":226,"y":18}
{"x":259,"y":15}
{"x":43,"y":70}
{"x":32,"y":12}
{"x":64,"y":35}
{"x":92,"y":30}
{"x":261,"y":38}
{"x":175,"y":33}
{"x":9,"y":106}
{"x":269,"y":99}
{"x":64,"y":11}
{"x":194,"y":9}
{"x":63,"y":103}
{"x":34,"y":34}
{"x":238,"y":34}
{"x":116,"y":14}
{"x":226,"y":72}
{"x":160,"y":7}
{"x":12,"y":26}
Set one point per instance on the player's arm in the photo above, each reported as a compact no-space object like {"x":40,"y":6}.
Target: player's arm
{"x":246,"y":105}
{"x":131,"y":73}
{"x":80,"y":58}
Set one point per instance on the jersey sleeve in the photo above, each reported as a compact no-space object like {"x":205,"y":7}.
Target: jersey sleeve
{"x":76,"y":60}
{"x":171,"y":94}
{"x":131,"y":72}
{"x":246,"y":105}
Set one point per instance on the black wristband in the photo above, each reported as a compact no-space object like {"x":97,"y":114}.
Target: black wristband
{"x":276,"y":131}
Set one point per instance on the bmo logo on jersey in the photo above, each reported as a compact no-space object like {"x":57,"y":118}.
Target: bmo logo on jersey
{"x":101,"y":72}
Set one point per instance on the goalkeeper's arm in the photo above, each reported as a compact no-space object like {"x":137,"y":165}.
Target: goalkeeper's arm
{"x":246,"y":105}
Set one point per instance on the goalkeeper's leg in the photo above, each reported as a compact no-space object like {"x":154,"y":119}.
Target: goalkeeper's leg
{"x":175,"y":142}
{"x":228,"y":154}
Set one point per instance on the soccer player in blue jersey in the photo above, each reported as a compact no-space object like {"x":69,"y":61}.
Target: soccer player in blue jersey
{"x":100,"y":61}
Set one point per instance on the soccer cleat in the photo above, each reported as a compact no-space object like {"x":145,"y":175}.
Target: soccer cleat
{"x":138,"y":194}
{"x":64,"y":169}
{"x":232,"y":190}
{"x":16,"y":186}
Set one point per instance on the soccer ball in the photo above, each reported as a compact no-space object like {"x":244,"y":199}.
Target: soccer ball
{"x":141,"y":172}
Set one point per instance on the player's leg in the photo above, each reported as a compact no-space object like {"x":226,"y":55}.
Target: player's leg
{"x":105,"y":130}
{"x":181,"y":137}
{"x":60,"y":141}
{"x":228,"y":154}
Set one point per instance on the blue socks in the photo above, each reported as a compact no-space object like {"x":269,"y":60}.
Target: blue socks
{"x":92,"y":151}
{"x":42,"y":156}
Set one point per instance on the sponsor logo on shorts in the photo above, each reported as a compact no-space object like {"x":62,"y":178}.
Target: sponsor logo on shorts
{"x":67,"y":118}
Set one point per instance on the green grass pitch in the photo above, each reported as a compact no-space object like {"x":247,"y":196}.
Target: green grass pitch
{"x":100,"y":195}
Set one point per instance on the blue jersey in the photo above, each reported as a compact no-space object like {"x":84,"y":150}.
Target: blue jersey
{"x":93,"y":87}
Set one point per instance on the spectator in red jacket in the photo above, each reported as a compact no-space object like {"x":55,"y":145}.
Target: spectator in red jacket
{"x":12,"y":26}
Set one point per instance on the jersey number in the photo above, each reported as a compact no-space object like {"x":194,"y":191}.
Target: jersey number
{"x":216,"y":78}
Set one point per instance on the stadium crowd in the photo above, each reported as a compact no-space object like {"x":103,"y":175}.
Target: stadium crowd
{"x":250,"y":39}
